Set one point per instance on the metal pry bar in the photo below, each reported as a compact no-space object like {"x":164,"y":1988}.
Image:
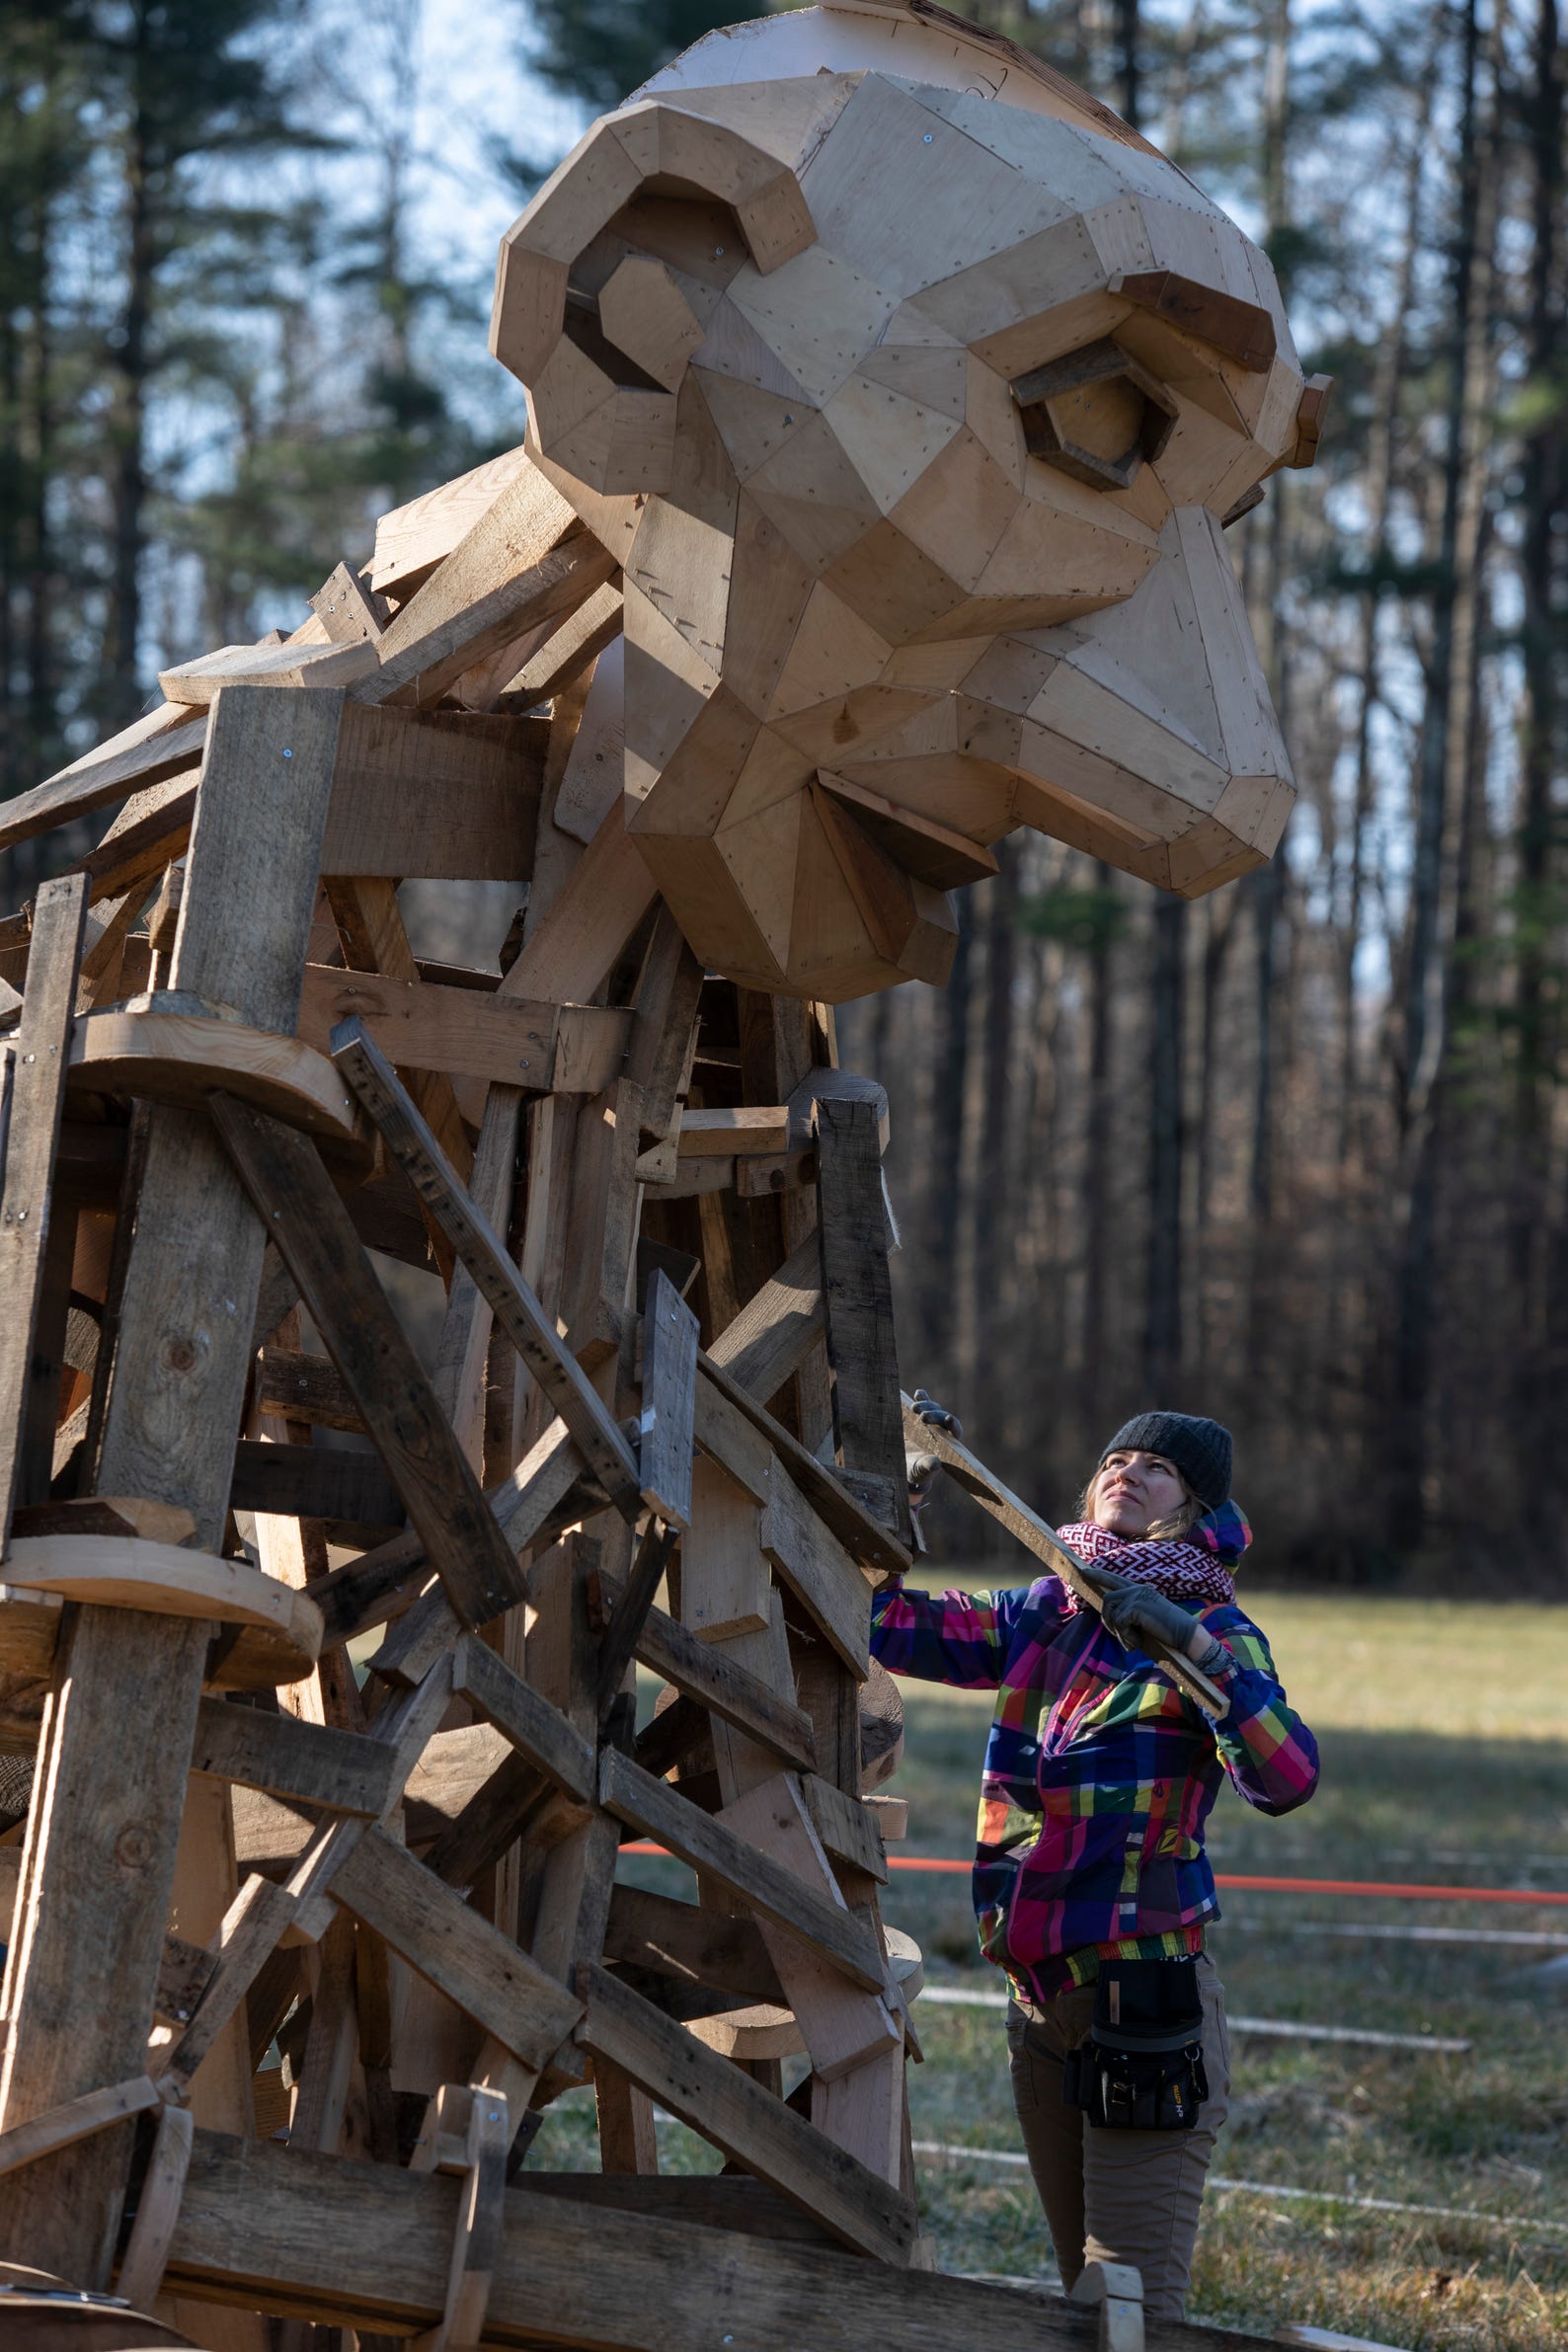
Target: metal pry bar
{"x":1091,"y":1584}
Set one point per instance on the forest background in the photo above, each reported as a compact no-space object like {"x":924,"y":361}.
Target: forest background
{"x":1297,"y":1154}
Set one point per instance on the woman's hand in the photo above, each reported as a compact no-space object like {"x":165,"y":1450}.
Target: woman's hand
{"x":1139,"y":1614}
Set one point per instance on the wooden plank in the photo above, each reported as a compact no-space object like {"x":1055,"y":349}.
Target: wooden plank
{"x":705,"y":1844}
{"x":157,"y":2209}
{"x":517,"y":1311}
{"x":347,"y":608}
{"x":669,"y":1384}
{"x":752,"y":2127}
{"x":847,"y":1826}
{"x":843,"y":2025}
{"x":366,"y":1593}
{"x":265,"y":2225}
{"x":371,"y":926}
{"x":725,"y":1583}
{"x":84,"y":1968}
{"x":483,"y":597}
{"x":690,"y":1945}
{"x":721,"y":1684}
{"x":753,"y":1130}
{"x":455,"y":1949}
{"x":421,"y":1025}
{"x":619,"y":1643}
{"x":413,"y":539}
{"x":857,"y":1296}
{"x":304,"y":1216}
{"x":63,"y":2126}
{"x":605,"y":898}
{"x":270,"y":665}
{"x":1088,"y":1581}
{"x":537,"y":1730}
{"x":246,"y":1938}
{"x":309,"y":1762}
{"x":438,"y":794}
{"x":36,"y":1087}
{"x":314,"y":1482}
{"x":295,"y":1386}
{"x":775,"y":1331}
{"x":819,"y":1570}
{"x":862,"y":1536}
{"x":163,"y":743}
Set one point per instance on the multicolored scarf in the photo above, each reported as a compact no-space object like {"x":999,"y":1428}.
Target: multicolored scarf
{"x":1196,"y":1566}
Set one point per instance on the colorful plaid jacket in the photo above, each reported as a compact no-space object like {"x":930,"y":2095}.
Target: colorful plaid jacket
{"x":1099,"y":1773}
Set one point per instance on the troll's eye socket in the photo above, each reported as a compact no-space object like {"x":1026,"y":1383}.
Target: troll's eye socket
{"x":1096,"y":415}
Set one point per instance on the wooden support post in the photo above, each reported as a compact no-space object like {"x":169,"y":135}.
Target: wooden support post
{"x":35,"y":1084}
{"x":83,"y":1967}
{"x":857,"y":1292}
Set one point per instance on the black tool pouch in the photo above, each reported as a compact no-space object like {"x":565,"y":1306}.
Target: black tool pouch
{"x":1142,"y":2070}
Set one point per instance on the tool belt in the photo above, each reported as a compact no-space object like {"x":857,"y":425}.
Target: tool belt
{"x":1142,"y":2070}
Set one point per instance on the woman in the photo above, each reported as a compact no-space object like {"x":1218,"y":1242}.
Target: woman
{"x":1091,"y":1884}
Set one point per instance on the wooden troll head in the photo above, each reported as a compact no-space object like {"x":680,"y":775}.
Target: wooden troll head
{"x":912,"y":389}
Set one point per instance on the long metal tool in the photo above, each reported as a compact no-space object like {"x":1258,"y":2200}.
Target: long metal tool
{"x":1092,"y":1585}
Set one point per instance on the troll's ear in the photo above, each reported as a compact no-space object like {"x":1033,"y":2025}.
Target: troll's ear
{"x":602,"y":348}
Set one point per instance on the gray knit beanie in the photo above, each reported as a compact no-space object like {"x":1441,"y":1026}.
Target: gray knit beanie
{"x":1201,"y":1451}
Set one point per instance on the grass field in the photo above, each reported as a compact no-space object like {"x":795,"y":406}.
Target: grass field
{"x":1445,"y":1736}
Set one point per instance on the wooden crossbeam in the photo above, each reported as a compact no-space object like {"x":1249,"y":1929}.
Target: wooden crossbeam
{"x":517,"y":1311}
{"x":300,"y":1209}
{"x":705,"y":1844}
{"x":738,"y":2115}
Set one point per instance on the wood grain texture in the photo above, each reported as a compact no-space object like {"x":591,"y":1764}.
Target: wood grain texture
{"x":307,"y":1219}
{"x":83,"y":1971}
{"x":455,"y":1949}
{"x":669,"y":1383}
{"x":738,"y":2115}
{"x":468,"y":1033}
{"x":660,"y":1812}
{"x":264,"y":2224}
{"x":517,"y":1311}
{"x":34,"y":1081}
{"x":857,"y":1296}
{"x":436,"y":794}
{"x":165,"y":743}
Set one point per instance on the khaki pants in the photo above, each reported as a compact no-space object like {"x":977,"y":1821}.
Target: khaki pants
{"x":1114,"y":2196}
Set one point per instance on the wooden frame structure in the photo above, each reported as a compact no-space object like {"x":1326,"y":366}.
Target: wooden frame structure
{"x":661,"y":1427}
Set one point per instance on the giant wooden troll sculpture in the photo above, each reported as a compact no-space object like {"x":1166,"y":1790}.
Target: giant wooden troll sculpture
{"x":912,"y":390}
{"x":886,"y":401}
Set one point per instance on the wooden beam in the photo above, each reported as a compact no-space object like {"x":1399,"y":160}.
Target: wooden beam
{"x":310,"y":1763}
{"x":102,"y":1840}
{"x":469,"y":1033}
{"x":264,"y":2226}
{"x":302,"y":1212}
{"x":517,"y":1311}
{"x":857,"y":1298}
{"x":862,"y":1536}
{"x":670,"y":1381}
{"x":38,"y":1056}
{"x":314,"y":1482}
{"x":752,"y":2127}
{"x":537,"y":1730}
{"x":441,"y":794}
{"x":690,"y":1945}
{"x":706,"y":1845}
{"x":454,"y":1948}
{"x":166,"y":742}
{"x":715,"y":1681}
{"x":775,"y":1331}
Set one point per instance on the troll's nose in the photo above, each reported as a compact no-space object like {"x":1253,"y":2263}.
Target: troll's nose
{"x":1145,"y":733}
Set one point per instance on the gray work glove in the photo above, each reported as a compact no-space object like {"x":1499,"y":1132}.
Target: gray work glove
{"x":938,"y":1415}
{"x":1139,"y":1614}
